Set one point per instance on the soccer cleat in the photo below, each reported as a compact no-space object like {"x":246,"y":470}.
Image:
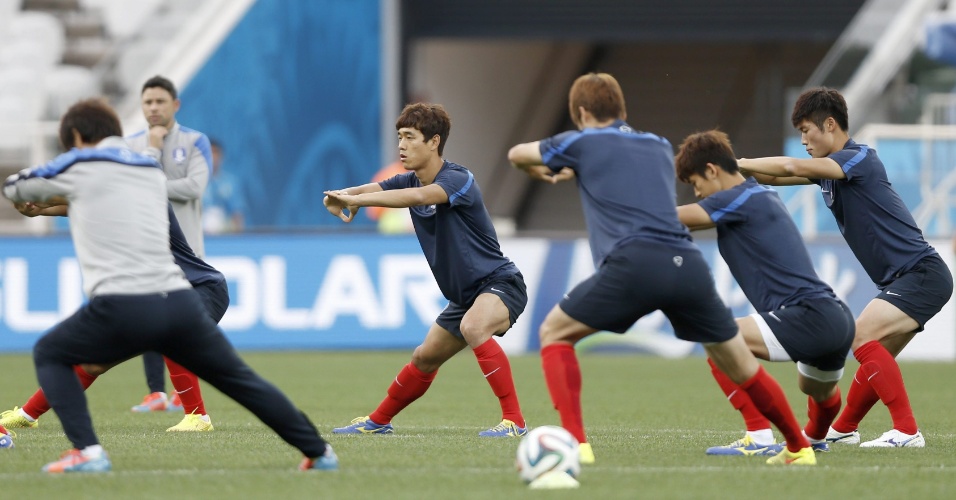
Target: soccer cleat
{"x":156,"y":401}
{"x":175,"y":404}
{"x":328,"y":461}
{"x":506,"y":428}
{"x":193,"y":423}
{"x":74,"y":461}
{"x":805,"y":456}
{"x":745,"y":447}
{"x":896,"y":439}
{"x":6,"y":438}
{"x":821,"y":447}
{"x":363,"y":425}
{"x":585,"y":454}
{"x":14,"y":419}
{"x":835,"y":436}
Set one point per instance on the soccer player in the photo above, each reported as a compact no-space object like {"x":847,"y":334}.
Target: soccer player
{"x":186,"y":157}
{"x":208,"y":282}
{"x":138,"y":297}
{"x":913,"y":281}
{"x":800,"y":318}
{"x":485,"y":289}
{"x":644,"y":257}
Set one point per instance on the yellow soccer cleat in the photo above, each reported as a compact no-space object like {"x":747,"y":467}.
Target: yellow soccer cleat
{"x":805,"y":456}
{"x":14,"y":419}
{"x":193,"y":423}
{"x":585,"y":454}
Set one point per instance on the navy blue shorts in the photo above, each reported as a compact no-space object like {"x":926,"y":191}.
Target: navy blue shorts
{"x":510,"y":289}
{"x":816,"y":332}
{"x":922,"y":291}
{"x":641,"y":277}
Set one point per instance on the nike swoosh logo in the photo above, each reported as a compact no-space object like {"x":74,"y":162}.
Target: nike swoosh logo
{"x":493,"y":289}
{"x":492,"y":372}
{"x":871,"y":376}
{"x":774,"y":316}
{"x":893,"y":294}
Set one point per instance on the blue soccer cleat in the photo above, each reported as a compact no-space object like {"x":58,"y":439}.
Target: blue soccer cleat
{"x":74,"y":461}
{"x":363,"y":425}
{"x":745,"y":447}
{"x":506,"y":428}
{"x":328,"y":461}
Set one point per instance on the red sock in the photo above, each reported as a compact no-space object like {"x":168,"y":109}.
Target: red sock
{"x":754,"y":420}
{"x":496,"y":368}
{"x":37,"y":405}
{"x":409,"y":385}
{"x":563,"y":375}
{"x":821,"y":415}
{"x":884,"y":375}
{"x":769,"y":398}
{"x":186,"y":385}
{"x":859,"y":399}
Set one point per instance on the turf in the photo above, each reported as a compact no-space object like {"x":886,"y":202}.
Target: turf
{"x":649,"y":420}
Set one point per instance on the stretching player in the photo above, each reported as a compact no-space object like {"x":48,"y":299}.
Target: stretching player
{"x":644,"y":257}
{"x":800,"y":317}
{"x":913,"y":281}
{"x":212,"y":289}
{"x":485,"y":289}
{"x":138,"y":297}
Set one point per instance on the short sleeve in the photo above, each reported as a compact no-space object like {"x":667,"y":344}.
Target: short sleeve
{"x":556,"y":150}
{"x":458,"y":184}
{"x":724,"y":207}
{"x":400,"y":181}
{"x":851,"y":161}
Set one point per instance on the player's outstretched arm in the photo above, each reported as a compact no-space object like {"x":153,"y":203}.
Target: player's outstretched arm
{"x":790,"y":171}
{"x":527,"y":157}
{"x":33,"y":209}
{"x":694,"y":217}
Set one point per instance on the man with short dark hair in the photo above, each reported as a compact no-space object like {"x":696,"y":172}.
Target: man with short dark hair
{"x":798,"y":317}
{"x":138,"y":297}
{"x":485,"y":289}
{"x":913,"y":280}
{"x":186,"y":157}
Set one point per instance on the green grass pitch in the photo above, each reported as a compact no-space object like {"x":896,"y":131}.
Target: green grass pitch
{"x":649,"y":420}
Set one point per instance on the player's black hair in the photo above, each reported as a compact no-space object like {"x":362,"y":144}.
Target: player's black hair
{"x":94,"y":119}
{"x":161,"y":82}
{"x":701,"y":148}
{"x":429,"y":119}
{"x":818,"y":104}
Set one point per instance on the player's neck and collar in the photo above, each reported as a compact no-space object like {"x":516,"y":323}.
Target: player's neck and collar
{"x":587,"y":120}
{"x":427,"y":173}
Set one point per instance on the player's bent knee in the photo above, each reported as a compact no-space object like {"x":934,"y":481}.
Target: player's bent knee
{"x":424,"y":362}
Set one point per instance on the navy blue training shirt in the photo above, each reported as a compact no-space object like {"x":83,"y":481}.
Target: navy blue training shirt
{"x":763,"y":247}
{"x":458,"y":238}
{"x":876,"y":224}
{"x":197,"y":271}
{"x":626,"y":179}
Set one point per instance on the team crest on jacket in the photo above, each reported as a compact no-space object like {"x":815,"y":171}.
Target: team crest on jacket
{"x":179,"y":155}
{"x":678,"y":260}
